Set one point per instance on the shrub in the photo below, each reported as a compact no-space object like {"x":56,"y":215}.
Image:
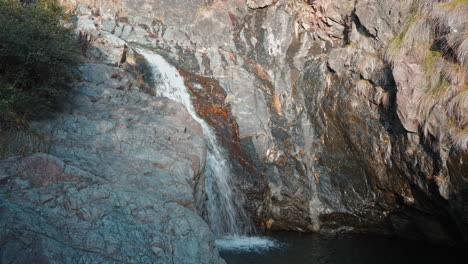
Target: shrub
{"x":37,"y":55}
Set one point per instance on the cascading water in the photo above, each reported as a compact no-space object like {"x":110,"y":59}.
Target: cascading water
{"x":226,"y":215}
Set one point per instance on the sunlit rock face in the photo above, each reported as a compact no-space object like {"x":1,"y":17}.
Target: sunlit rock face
{"x":323,"y":130}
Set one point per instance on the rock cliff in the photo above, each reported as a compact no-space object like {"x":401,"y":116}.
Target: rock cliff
{"x":338,"y":116}
{"x":121,"y":184}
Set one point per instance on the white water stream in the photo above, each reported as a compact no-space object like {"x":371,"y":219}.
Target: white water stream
{"x":226,"y":215}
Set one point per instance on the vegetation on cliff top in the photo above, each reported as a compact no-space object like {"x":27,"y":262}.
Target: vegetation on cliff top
{"x":37,"y":56}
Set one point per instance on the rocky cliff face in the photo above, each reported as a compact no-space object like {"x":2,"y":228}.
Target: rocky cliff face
{"x":336,"y":114}
{"x":327,"y":114}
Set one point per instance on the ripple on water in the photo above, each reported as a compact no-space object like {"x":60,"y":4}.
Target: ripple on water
{"x":246,"y":243}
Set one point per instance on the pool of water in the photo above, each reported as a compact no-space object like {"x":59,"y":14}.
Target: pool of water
{"x":292,"y":248}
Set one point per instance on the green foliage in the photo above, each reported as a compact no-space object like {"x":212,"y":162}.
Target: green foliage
{"x":37,"y":55}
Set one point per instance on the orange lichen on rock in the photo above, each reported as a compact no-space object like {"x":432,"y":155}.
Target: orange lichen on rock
{"x":259,"y":71}
{"x":277,"y":103}
{"x":209,"y":100}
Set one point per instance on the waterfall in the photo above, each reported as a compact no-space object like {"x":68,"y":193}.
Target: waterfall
{"x":225,"y":213}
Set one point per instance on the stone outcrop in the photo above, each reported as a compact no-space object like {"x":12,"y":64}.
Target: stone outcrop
{"x":122,"y":184}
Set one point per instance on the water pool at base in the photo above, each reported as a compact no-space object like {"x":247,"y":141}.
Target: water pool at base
{"x":298,"y":248}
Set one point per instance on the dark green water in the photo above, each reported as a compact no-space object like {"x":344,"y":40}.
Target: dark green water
{"x":295,"y":248}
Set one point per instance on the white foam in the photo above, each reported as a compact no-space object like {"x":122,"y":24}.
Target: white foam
{"x":246,"y":243}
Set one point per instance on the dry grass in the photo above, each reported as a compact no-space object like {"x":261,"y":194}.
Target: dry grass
{"x":443,"y":183}
{"x":400,"y":45}
{"x":432,"y":20}
{"x":454,"y":73}
{"x":363,"y":88}
{"x":435,"y":37}
{"x":440,"y":180}
{"x":458,"y":109}
{"x":462,"y":48}
{"x":459,"y":138}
